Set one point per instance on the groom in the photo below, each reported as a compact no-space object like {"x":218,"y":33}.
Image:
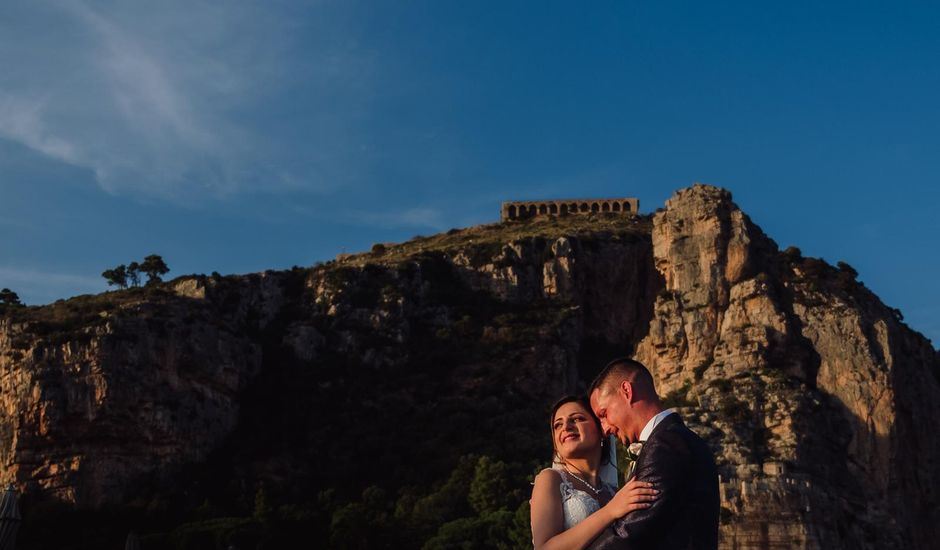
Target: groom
{"x":673,"y":459}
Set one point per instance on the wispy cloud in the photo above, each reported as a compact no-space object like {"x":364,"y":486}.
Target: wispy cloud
{"x":21,"y":121}
{"x":148,"y":97}
{"x":164,"y":99}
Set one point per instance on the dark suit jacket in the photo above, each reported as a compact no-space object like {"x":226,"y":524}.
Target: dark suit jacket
{"x":685,"y":516}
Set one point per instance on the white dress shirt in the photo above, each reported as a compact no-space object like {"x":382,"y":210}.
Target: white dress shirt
{"x":651,"y":425}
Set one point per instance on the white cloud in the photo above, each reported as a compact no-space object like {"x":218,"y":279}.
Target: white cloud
{"x":164,"y":98}
{"x":142,"y":86}
{"x":21,"y":121}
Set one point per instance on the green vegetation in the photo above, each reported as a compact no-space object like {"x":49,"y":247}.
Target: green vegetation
{"x":848,"y":270}
{"x":124,"y":276}
{"x":734,"y":410}
{"x":793,"y":254}
{"x":818,"y":276}
{"x":699,"y":371}
{"x":486,"y":241}
{"x":9,"y":298}
{"x":154,"y":266}
{"x":77,"y":318}
{"x":679,"y":397}
{"x":116,"y":276}
{"x":9,"y":302}
{"x":133,"y":274}
{"x":482,"y":503}
{"x":723,"y":385}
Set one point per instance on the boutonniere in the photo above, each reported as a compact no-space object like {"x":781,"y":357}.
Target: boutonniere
{"x":633,"y":453}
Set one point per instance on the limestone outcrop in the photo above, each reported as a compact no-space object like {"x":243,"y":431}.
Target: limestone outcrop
{"x":815,"y":392}
{"x":818,"y":400}
{"x":132,"y":392}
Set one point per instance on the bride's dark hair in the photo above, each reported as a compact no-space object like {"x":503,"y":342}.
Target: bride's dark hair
{"x":581,"y":400}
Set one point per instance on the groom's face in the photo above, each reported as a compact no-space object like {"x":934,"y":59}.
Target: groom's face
{"x":614,"y":411}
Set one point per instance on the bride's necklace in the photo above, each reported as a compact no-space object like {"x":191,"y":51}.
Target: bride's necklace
{"x":582,"y":480}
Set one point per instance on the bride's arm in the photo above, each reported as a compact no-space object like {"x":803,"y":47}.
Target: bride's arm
{"x":548,"y":519}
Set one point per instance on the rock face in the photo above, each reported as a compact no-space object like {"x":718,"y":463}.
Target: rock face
{"x":818,"y":401}
{"x":129,"y":393}
{"x":109,"y":398}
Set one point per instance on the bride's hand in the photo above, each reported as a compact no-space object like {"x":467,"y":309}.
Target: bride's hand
{"x":635,"y":495}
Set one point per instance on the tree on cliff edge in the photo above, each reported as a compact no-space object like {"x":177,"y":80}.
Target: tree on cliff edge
{"x":133,"y":274}
{"x":154,"y":266}
{"x":116,"y":276}
{"x":9,"y":298}
{"x":123,"y":276}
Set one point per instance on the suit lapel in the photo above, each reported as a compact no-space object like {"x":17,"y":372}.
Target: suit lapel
{"x":660,"y":428}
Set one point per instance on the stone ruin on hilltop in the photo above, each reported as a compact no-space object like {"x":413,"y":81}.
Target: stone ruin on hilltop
{"x":522,"y":210}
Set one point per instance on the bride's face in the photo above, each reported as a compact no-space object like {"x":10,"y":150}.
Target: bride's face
{"x":574,"y":431}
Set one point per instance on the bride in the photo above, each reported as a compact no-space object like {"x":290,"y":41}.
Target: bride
{"x":571,"y":504}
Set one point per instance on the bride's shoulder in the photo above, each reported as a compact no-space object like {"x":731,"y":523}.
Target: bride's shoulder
{"x":548,"y":475}
{"x":546,"y":485}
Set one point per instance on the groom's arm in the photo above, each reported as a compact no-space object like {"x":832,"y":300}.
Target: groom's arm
{"x":664,"y":462}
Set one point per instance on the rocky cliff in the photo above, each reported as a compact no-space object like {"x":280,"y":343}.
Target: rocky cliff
{"x":816,"y":398}
{"x":821,"y":401}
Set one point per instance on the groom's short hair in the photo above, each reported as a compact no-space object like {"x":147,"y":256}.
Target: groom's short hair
{"x":622,"y":368}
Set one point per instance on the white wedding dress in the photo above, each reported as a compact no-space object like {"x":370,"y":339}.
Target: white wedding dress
{"x":577,"y":504}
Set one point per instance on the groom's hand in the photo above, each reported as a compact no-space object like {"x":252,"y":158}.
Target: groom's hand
{"x":635,"y":495}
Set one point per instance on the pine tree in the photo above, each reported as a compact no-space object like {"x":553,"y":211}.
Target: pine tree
{"x":116,"y":276}
{"x":9,"y":298}
{"x":133,"y":274}
{"x":154,"y":266}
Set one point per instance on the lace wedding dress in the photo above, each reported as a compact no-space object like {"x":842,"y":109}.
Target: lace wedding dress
{"x":578,"y":504}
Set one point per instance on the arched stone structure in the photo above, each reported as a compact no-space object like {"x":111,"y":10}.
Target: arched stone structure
{"x":518,"y":210}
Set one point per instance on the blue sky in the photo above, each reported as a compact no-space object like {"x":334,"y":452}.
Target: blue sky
{"x":242,"y":136}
